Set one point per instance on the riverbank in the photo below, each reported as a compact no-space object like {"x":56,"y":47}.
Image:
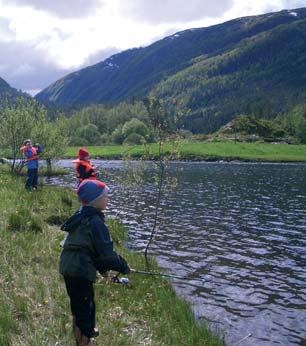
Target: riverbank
{"x":34,"y":305}
{"x":42,"y":171}
{"x":206,"y":151}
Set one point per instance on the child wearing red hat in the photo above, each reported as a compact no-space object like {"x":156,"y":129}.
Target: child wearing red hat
{"x":83,"y":166}
{"x":88,"y":248}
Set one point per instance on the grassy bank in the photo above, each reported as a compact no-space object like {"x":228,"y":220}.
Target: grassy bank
{"x":42,"y":171}
{"x":209,"y":151}
{"x":34,"y":306}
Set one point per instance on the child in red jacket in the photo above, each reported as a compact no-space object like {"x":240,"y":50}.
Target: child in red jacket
{"x":83,"y":166}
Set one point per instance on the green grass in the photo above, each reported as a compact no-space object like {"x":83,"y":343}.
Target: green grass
{"x":42,"y":170}
{"x":34,"y":304}
{"x":208,"y":151}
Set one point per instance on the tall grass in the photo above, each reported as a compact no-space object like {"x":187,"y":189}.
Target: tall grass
{"x":209,"y":151}
{"x":34,"y":305}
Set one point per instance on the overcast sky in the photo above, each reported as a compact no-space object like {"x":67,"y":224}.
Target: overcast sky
{"x":43,"y":40}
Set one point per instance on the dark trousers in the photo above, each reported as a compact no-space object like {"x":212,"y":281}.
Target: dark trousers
{"x":32,"y":178}
{"x":82,"y":304}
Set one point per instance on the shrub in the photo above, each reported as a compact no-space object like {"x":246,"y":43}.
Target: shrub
{"x":134,"y":126}
{"x":134,"y":138}
{"x":105,"y":138}
{"x":117,"y":136}
{"x":91,"y":133}
{"x":78,"y":141}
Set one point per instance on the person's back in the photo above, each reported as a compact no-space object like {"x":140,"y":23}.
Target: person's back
{"x":88,"y":238}
{"x":78,"y":248}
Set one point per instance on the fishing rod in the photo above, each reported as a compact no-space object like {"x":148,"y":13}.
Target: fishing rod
{"x":124,"y":280}
{"x":162,"y":274}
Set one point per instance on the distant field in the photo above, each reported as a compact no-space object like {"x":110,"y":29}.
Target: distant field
{"x":208,"y":151}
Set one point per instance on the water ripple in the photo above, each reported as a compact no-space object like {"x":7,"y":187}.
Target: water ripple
{"x":241,"y":229}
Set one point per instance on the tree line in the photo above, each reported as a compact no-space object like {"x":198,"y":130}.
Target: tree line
{"x":125,"y":123}
{"x":23,"y":119}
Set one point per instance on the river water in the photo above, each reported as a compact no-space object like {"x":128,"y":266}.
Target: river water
{"x":238,"y":227}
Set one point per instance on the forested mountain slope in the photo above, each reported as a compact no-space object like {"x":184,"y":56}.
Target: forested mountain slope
{"x":8,"y":94}
{"x":263,"y":75}
{"x":252,"y":64}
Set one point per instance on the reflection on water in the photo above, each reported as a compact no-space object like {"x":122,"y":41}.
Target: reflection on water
{"x":239,"y":227}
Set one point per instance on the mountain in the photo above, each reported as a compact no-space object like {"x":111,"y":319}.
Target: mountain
{"x":9,"y":94}
{"x":263,"y":75}
{"x":253,"y":64}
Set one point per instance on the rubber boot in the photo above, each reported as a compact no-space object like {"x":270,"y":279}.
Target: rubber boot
{"x":95,"y":332}
{"x":73,"y":325}
{"x":77,"y":333}
{"x":85,"y":341}
{"x":82,"y":340}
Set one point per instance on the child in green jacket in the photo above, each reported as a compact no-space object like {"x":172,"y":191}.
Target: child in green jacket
{"x":88,"y":248}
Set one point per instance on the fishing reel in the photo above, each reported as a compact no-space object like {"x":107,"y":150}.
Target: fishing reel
{"x":116,"y":279}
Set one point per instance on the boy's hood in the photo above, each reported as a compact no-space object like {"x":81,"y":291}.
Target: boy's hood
{"x":78,"y":216}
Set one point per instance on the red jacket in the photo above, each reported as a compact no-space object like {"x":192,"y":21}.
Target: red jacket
{"x":25,"y":151}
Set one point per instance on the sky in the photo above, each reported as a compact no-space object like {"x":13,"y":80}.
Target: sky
{"x":44,"y":40}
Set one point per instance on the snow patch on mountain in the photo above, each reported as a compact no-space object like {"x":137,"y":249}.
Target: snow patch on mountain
{"x":294,"y":14}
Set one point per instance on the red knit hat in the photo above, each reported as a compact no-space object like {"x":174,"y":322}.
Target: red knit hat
{"x":83,"y":153}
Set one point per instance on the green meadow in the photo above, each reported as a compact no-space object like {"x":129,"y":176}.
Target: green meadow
{"x":34,"y":305}
{"x":210,"y":151}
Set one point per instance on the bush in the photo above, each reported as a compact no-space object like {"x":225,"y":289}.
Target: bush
{"x":134,"y":126}
{"x":186,"y":134}
{"x":91,"y":133}
{"x":105,"y":138}
{"x":300,"y":130}
{"x":117,"y":136}
{"x":134,"y":138}
{"x":78,"y":141}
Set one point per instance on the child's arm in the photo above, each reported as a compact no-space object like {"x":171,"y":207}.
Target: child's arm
{"x":28,"y":154}
{"x":107,"y":258}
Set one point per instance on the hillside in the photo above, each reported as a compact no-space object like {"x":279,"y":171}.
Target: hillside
{"x":263,"y":75}
{"x":203,"y":71}
{"x":8,"y":94}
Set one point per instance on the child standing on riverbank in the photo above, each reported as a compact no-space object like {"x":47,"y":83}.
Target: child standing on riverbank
{"x":83,"y":166}
{"x":88,"y":248}
{"x":30,"y":155}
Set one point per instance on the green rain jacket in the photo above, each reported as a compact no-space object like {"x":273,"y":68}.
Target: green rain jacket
{"x":88,"y":246}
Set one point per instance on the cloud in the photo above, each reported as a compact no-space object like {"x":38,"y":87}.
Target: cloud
{"x":60,"y":8}
{"x":243,"y":8}
{"x":291,"y":4}
{"x":161,"y":11}
{"x":25,"y":67}
{"x":99,"y":56}
{"x":6,"y":33}
{"x":37,"y":48}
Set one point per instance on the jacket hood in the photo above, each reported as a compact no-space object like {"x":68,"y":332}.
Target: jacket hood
{"x":78,"y":216}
